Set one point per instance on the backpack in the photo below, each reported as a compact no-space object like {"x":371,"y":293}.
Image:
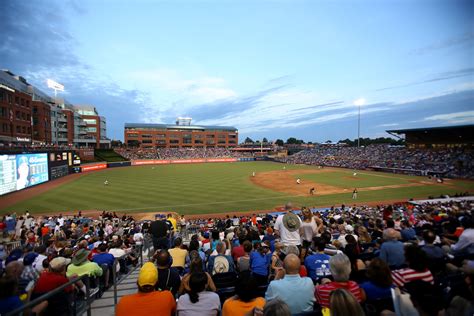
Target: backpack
{"x":221,"y":265}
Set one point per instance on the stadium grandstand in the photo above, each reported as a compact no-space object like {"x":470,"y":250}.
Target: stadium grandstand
{"x":68,"y":265}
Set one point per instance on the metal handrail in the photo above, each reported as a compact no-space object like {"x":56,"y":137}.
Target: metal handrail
{"x":57,"y":290}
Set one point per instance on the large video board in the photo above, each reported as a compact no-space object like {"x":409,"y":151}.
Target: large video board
{"x":20,"y":171}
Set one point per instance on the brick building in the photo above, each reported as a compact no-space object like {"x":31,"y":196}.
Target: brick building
{"x":179,"y":135}
{"x":28,"y":115}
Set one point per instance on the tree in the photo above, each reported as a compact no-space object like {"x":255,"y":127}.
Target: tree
{"x":265,"y":140}
{"x":116,"y":143}
{"x":279,"y":142}
{"x":292,"y":141}
{"x":248,"y":140}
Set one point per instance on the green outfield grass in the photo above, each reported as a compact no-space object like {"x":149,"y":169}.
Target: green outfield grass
{"x":213,"y":188}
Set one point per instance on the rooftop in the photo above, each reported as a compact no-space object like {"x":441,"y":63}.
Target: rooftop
{"x":183,"y":127}
{"x":430,"y":129}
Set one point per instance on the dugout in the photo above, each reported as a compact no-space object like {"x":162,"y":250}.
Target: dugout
{"x":437,"y":137}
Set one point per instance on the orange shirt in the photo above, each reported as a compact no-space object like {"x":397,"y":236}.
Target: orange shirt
{"x":44,"y":231}
{"x":153,"y":303}
{"x":234,"y":307}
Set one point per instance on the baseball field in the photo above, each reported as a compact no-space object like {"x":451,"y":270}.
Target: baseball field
{"x":221,"y":188}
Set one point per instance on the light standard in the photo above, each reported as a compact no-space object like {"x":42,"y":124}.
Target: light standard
{"x":359,"y":102}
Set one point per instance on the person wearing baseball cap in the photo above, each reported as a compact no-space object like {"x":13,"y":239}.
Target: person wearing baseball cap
{"x":51,"y":279}
{"x":146,"y":301}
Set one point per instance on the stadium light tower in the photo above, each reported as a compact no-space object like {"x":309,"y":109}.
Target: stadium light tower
{"x":359,"y":102}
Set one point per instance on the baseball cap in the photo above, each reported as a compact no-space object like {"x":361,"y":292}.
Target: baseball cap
{"x":148,"y":275}
{"x":349,"y":228}
{"x":29,"y":258}
{"x":59,"y":262}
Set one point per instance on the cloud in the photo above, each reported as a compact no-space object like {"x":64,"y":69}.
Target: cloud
{"x":466,"y":117}
{"x":388,"y":125}
{"x":446,"y":43}
{"x":436,"y":77}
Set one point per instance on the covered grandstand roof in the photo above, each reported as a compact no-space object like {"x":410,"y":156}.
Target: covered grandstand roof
{"x":429,"y":129}
{"x":181,"y":127}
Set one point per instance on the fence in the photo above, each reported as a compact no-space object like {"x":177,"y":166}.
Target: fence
{"x":90,"y":295}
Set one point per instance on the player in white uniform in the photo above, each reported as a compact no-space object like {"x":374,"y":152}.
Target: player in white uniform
{"x":106,"y":182}
{"x":298,"y":181}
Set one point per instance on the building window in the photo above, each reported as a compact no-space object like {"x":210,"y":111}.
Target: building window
{"x":2,"y":96}
{"x":221,"y":141}
{"x":209,"y":136}
{"x":91,"y":129}
{"x":90,"y":121}
{"x":18,"y":129}
{"x":132,"y":135}
{"x":187,"y":141}
{"x":17,"y":100}
{"x":147,"y":136}
{"x":146,"y":141}
{"x":198,"y":141}
{"x":23,"y":129}
{"x":161,"y":142}
{"x":160,"y":135}
{"x":221,"y":136}
{"x":3,"y":112}
{"x":35,"y":109}
{"x":10,"y":98}
{"x":174,"y":141}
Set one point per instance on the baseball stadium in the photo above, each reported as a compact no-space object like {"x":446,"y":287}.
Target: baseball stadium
{"x":236,"y":158}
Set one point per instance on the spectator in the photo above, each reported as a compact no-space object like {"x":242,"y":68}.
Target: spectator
{"x":29,"y":273}
{"x":220,"y":263}
{"x":417,"y":268}
{"x":407,"y":232}
{"x":343,"y":303}
{"x":276,"y":307}
{"x":238,"y":251}
{"x":168,"y":278}
{"x":260,"y":260}
{"x":465,"y":244}
{"x":195,"y":267}
{"x":317,"y":264}
{"x":293,"y":289}
{"x":160,"y":234}
{"x":426,"y":298}
{"x":81,"y":265}
{"x":9,"y":299}
{"x":198,"y":301}
{"x":380,"y":281}
{"x":179,"y":255}
{"x":103,"y":257}
{"x":243,"y":262}
{"x":392,"y":249}
{"x":51,"y":279}
{"x":432,"y":251}
{"x":348,"y":231}
{"x":287,"y":227}
{"x":146,"y":301}
{"x":246,"y":298}
{"x":340,"y":267}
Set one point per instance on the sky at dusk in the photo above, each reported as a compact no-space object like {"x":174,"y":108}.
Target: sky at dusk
{"x":272,"y":69}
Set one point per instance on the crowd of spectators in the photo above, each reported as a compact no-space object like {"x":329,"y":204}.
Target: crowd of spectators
{"x":453,"y":162}
{"x":51,"y":251}
{"x":180,"y":153}
{"x":341,"y":261}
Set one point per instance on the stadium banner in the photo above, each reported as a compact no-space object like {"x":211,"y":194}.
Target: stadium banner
{"x":93,"y":167}
{"x":221,"y":160}
{"x":119,"y":164}
{"x":20,"y":171}
{"x":247,"y":159}
{"x":149,"y":162}
{"x":180,"y":161}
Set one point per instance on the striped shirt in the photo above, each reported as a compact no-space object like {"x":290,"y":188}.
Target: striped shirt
{"x":403,"y":276}
{"x":322,"y":292}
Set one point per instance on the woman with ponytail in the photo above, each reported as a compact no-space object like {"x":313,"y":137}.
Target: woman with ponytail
{"x":198,"y":301}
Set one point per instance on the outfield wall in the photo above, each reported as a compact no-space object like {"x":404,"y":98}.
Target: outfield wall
{"x":141,"y":162}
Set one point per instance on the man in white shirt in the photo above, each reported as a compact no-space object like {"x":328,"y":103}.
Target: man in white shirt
{"x":287,"y":227}
{"x":349,"y":231}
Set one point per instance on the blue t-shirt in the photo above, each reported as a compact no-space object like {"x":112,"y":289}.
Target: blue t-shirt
{"x":104,"y":258}
{"x":259,"y":264}
{"x":9,"y":304}
{"x":11,"y":223}
{"x":317,"y":266}
{"x":374,"y":292}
